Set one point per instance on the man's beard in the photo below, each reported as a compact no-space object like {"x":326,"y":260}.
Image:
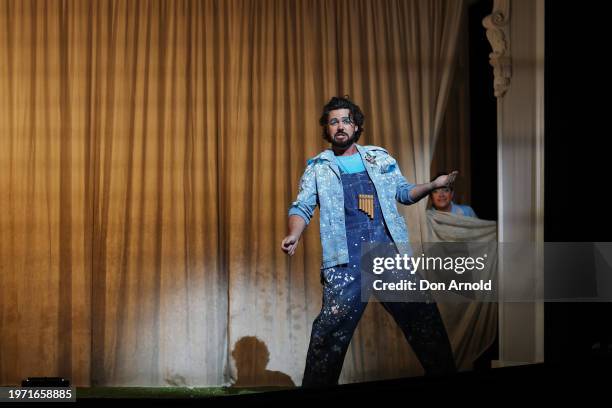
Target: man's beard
{"x":342,"y":144}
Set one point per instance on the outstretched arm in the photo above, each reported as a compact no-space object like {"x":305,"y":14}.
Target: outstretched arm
{"x":422,"y":190}
{"x":408,"y":193}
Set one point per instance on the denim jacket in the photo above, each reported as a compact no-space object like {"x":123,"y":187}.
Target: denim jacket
{"x":321,"y":185}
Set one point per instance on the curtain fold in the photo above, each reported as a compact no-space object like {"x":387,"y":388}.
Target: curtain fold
{"x":150,"y":150}
{"x":160,"y":281}
{"x":45,"y":203}
{"x":452,"y":148}
{"x":114,"y":190}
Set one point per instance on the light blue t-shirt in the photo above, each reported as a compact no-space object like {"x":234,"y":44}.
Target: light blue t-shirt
{"x":465,"y":210}
{"x":350,"y":164}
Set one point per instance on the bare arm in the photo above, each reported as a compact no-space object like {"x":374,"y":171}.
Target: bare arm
{"x":408,"y":193}
{"x":422,"y":190}
{"x":296,"y":226}
{"x":301,"y":210}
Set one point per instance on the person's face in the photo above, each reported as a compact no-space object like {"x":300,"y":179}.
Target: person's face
{"x":441,"y":198}
{"x":340,"y":128}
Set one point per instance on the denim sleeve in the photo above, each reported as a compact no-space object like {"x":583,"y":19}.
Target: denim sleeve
{"x":403,"y":187}
{"x":306,"y":200}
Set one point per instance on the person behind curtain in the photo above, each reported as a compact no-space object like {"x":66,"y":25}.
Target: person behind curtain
{"x":334,"y":180}
{"x":442,"y":200}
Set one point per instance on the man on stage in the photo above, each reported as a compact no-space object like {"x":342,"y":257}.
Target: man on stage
{"x":356,"y":188}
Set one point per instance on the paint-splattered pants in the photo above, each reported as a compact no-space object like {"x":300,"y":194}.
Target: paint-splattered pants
{"x":342,"y":307}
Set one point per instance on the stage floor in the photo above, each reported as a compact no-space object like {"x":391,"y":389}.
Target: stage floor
{"x":168,"y":392}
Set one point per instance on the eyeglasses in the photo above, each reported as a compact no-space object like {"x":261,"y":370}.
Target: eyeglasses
{"x":345,"y":121}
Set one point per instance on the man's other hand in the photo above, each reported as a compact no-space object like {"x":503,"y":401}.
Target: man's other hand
{"x":289,"y":244}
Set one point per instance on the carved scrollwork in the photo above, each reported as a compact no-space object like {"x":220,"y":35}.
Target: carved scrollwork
{"x":497,"y":33}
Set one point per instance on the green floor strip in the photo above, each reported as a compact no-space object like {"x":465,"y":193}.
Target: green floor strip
{"x":167,"y":392}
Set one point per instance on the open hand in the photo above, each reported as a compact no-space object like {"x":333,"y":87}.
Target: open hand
{"x":445,"y":180}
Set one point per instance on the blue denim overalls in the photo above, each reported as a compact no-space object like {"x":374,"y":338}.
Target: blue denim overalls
{"x":342,"y":306}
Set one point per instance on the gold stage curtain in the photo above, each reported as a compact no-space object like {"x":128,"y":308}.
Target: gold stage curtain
{"x":452,"y":151}
{"x":46,"y":217}
{"x":111,"y":212}
{"x":148,"y":153}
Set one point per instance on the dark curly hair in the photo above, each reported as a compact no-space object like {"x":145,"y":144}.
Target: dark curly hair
{"x":342,"y":102}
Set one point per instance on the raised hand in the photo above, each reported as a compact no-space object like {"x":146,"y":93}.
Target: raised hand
{"x":445,"y":180}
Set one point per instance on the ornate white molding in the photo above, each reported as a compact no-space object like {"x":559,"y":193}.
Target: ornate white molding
{"x":498,"y":35}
